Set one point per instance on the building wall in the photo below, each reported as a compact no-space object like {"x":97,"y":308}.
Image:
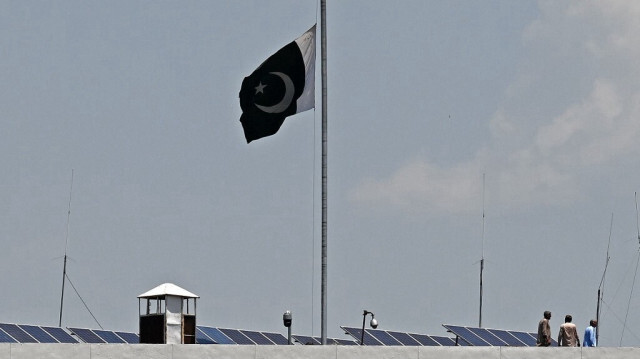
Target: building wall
{"x":169,"y":351}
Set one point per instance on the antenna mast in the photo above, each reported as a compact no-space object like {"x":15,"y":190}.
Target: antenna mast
{"x":66,"y":241}
{"x":482,"y":258}
{"x":600,"y":287}
{"x":624,"y":325}
{"x":637,"y":219}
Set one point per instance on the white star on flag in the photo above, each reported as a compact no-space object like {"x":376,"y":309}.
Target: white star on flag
{"x":260,"y":88}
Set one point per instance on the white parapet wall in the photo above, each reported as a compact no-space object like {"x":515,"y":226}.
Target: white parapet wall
{"x":181,"y":351}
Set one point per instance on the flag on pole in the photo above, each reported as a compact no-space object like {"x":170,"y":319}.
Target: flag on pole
{"x":281,"y":86}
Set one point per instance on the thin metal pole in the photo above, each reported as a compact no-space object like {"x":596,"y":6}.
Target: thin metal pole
{"x":598,"y":318}
{"x":482,"y":258}
{"x":601,"y":286}
{"x":323,"y":51}
{"x":66,"y":242}
{"x":64,"y":275}
{"x":481,"y":269}
{"x":364,"y":316}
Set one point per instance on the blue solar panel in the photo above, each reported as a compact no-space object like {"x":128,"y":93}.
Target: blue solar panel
{"x":6,"y":338}
{"x":356,"y":333}
{"x":131,"y":338}
{"x":257,"y":337}
{"x":488,"y":337}
{"x":38,"y":334}
{"x":86,"y":335}
{"x":216,"y":335}
{"x":383,"y":337}
{"x":236,"y":336}
{"x":18,"y":334}
{"x":425,"y":340}
{"x":305,"y":340}
{"x":404,"y":338}
{"x":460,"y":342}
{"x":109,"y":336}
{"x":466,"y":335}
{"x":507,"y":337}
{"x":277,"y":338}
{"x":202,"y":338}
{"x":60,"y":335}
{"x":527,"y":339}
{"x":444,"y":341}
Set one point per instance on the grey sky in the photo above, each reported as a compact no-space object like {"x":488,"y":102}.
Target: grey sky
{"x":140,"y":99}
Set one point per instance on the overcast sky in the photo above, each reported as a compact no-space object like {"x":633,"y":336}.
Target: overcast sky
{"x":140,"y":100}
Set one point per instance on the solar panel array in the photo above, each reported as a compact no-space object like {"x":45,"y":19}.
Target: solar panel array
{"x":211,"y":335}
{"x":15,"y":333}
{"x":493,"y":337}
{"x":96,"y":336}
{"x":393,"y":338}
{"x":465,"y":336}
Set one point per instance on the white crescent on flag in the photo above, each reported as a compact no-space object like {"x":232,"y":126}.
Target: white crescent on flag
{"x":286,"y":99}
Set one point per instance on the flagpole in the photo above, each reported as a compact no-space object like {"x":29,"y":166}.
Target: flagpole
{"x":323,"y":55}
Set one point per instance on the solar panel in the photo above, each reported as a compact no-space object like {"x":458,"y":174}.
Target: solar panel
{"x":202,"y":338}
{"x":16,"y":333}
{"x":6,"y":338}
{"x":425,"y":340}
{"x":38,"y":334}
{"x":236,"y":336}
{"x":460,"y":342}
{"x":444,"y":341}
{"x":109,"y":336}
{"x":488,"y":337}
{"x":257,"y":337}
{"x":131,"y":338}
{"x":60,"y":335}
{"x":383,"y":337}
{"x":277,"y":338}
{"x":357,"y":334}
{"x":86,"y":335}
{"x":466,"y":335}
{"x":305,"y":340}
{"x":527,"y":339}
{"x":404,"y":338}
{"x":22,"y":333}
{"x":216,"y":335}
{"x":507,"y":337}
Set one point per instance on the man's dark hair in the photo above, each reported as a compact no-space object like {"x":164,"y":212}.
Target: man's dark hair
{"x":568,"y":318}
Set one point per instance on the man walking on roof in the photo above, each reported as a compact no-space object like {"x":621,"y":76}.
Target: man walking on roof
{"x":568,"y":335}
{"x":544,"y":331}
{"x":590,"y":334}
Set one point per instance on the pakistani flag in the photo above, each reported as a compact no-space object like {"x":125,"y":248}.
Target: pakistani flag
{"x":282,"y":86}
